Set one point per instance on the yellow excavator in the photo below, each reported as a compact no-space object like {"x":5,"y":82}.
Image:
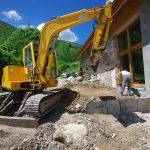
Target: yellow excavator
{"x":27,"y":83}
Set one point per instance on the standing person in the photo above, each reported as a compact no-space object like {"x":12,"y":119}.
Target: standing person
{"x":126,"y":80}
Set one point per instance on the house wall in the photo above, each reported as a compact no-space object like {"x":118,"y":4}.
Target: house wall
{"x":86,"y":62}
{"x":145,"y":29}
{"x":106,"y":68}
{"x":106,"y":71}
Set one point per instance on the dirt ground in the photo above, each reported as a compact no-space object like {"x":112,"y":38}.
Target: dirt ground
{"x":76,"y":130}
{"x":9,"y":136}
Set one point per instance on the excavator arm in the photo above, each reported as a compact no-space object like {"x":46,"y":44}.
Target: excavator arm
{"x":51,"y":30}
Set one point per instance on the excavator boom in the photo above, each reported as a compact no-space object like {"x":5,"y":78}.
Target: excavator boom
{"x":52,"y":29}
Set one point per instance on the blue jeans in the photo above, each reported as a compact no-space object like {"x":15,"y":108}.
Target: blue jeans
{"x":126,"y":81}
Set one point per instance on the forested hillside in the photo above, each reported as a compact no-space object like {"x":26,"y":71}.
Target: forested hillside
{"x":5,"y":30}
{"x":67,"y":52}
{"x":15,"y":39}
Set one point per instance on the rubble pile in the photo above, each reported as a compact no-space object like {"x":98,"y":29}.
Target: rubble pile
{"x":72,"y":128}
{"x":41,"y":139}
{"x":84,"y":132}
{"x":4,"y":133}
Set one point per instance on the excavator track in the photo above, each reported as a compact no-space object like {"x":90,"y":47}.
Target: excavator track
{"x":30,"y":108}
{"x":39,"y":105}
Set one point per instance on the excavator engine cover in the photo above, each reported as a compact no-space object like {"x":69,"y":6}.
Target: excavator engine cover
{"x":13,"y":77}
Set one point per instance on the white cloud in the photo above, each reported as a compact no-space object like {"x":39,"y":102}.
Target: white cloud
{"x":68,"y":35}
{"x":109,"y":1}
{"x":23,"y":26}
{"x":40,"y":26}
{"x":12,"y":14}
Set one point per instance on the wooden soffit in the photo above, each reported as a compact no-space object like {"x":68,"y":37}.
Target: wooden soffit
{"x":122,"y":11}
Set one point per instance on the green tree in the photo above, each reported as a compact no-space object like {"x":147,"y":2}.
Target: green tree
{"x":68,"y":61}
{"x":11,"y":48}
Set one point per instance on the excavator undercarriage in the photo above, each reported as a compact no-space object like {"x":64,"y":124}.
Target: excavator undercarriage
{"x":28,"y":109}
{"x":30,"y":103}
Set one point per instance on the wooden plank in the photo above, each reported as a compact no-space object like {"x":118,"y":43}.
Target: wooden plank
{"x":25,"y":122}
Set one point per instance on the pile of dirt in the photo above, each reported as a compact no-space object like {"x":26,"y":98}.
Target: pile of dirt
{"x":12,"y":136}
{"x":91,"y":93}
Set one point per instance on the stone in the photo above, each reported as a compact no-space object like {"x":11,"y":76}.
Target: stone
{"x":78,"y":105}
{"x":114,"y":135}
{"x":70,"y":133}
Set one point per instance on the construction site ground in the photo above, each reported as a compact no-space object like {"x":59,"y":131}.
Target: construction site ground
{"x":73,"y":128}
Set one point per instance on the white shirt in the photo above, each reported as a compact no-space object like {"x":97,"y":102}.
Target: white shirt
{"x":124,"y":73}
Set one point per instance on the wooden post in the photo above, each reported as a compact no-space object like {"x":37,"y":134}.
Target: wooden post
{"x":130,"y":55}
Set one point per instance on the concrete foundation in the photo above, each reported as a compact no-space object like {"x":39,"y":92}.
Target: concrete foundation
{"x":116,"y":107}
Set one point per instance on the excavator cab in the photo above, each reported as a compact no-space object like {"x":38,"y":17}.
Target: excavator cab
{"x":30,"y":56}
{"x":17,"y":78}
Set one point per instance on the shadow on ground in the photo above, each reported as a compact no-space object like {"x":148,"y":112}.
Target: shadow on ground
{"x":129,"y":118}
{"x":54,"y":115}
{"x":107,"y":98}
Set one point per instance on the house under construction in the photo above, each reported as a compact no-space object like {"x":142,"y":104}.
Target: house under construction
{"x":128,"y":45}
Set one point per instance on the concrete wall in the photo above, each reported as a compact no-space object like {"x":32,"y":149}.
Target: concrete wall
{"x":108,"y":60}
{"x":107,"y":78}
{"x":86,"y":63}
{"x":145,"y":29}
{"x":116,"y":107}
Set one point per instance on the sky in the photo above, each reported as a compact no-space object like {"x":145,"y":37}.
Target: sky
{"x":20,"y":13}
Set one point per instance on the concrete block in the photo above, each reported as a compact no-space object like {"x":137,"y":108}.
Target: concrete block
{"x":144,"y":105}
{"x":113,"y":107}
{"x":129,"y":105}
{"x":96,"y":108}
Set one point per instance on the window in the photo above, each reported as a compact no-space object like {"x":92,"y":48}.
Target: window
{"x":130,"y":52}
{"x":28,"y":57}
{"x":135,"y":34}
{"x":122,"y":41}
{"x":124,"y":61}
